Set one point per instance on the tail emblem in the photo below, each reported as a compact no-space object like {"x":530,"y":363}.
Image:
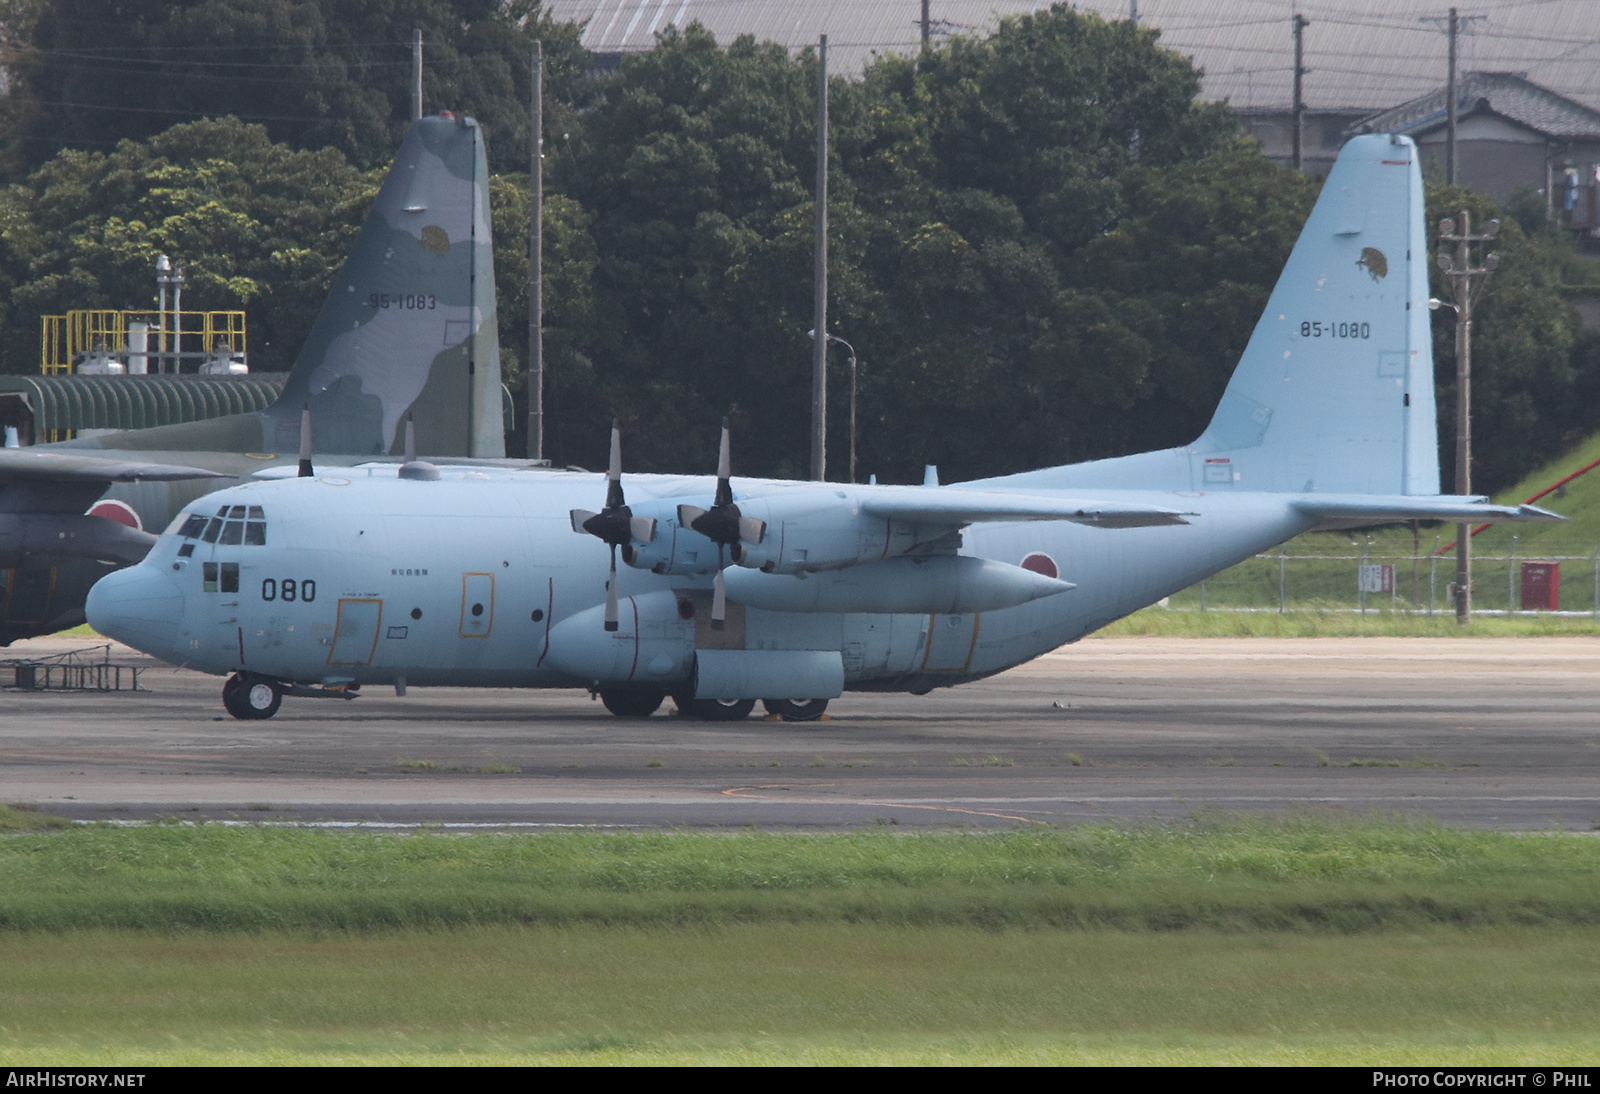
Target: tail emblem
{"x":1374,"y":263}
{"x":438,"y":240}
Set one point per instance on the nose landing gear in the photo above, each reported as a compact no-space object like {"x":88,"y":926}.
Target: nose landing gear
{"x":250,"y":697}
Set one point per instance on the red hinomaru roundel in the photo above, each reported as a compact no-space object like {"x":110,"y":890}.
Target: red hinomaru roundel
{"x":1041,"y":563}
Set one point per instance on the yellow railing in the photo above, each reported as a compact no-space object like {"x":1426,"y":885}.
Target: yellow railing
{"x":172,"y":339}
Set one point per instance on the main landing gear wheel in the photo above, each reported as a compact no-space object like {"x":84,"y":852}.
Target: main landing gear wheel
{"x":632,"y":703}
{"x":720,"y":710}
{"x":796,"y":710}
{"x":251,"y":697}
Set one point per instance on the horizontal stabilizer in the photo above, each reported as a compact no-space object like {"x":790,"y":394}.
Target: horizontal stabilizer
{"x":1371,"y":509}
{"x":942,"y":505}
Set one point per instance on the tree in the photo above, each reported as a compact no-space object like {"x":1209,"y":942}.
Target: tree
{"x":316,"y":73}
{"x":1534,"y":373}
{"x":253,"y":223}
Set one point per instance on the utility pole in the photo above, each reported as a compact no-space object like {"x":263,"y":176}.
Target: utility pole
{"x":416,"y":75}
{"x":1454,"y":26}
{"x":536,"y":262}
{"x":1466,"y":281}
{"x":1450,"y":95}
{"x":1300,"y":25}
{"x":819,"y":326}
{"x":927,"y":26}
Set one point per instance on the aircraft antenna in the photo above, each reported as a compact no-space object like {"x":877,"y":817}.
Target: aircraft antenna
{"x":305,"y":442}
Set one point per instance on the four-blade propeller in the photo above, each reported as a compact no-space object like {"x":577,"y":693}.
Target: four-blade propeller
{"x":615,"y":525}
{"x":725,"y":526}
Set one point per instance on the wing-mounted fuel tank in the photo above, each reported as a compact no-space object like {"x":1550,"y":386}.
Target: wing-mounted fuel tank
{"x":652,"y":644}
{"x":922,"y":585}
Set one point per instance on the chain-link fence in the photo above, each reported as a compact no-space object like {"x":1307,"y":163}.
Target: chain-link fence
{"x":1365,"y":580}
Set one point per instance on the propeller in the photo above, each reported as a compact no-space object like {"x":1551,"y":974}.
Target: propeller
{"x":615,"y":525}
{"x":725,"y":526}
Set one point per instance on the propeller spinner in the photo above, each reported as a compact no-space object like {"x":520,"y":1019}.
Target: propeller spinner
{"x":615,"y":525}
{"x":725,"y":526}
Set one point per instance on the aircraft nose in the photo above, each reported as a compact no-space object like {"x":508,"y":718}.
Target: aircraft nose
{"x":140,"y":606}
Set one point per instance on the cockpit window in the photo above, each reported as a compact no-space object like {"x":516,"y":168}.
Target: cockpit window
{"x":228,"y":527}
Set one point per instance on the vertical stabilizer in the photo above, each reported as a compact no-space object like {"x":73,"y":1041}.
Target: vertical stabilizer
{"x":1334,"y":393}
{"x":409,"y":325}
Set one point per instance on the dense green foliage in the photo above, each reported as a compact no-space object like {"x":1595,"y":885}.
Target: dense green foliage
{"x":254,"y":224}
{"x":1043,"y":248}
{"x":1284,"y":874}
{"x":1535,"y":371}
{"x":317,"y":73}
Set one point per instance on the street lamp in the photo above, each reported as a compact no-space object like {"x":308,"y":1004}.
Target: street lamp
{"x":835,"y":338}
{"x":1466,"y":281}
{"x":166,"y":276}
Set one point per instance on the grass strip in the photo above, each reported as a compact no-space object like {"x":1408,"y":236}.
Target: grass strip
{"x":1313,"y":623}
{"x":783,"y":993}
{"x":1292,"y":874}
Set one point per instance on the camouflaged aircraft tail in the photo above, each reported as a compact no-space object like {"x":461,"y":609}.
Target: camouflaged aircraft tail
{"x":409,"y":326}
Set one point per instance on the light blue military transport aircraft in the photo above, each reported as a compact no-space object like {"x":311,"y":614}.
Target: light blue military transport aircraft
{"x":792,"y":592}
{"x":408,"y":328}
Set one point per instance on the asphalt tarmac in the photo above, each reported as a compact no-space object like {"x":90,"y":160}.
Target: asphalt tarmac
{"x":1499,"y":733}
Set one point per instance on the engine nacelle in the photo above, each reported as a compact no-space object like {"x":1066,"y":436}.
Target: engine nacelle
{"x":820,"y":529}
{"x":653,"y":643}
{"x":675,"y":549}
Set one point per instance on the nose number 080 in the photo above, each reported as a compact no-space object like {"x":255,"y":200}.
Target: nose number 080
{"x":289,"y":590}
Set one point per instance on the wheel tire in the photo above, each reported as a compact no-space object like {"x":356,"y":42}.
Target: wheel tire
{"x":632,"y":703}
{"x":251,"y":697}
{"x":721,"y":710}
{"x":796,"y":710}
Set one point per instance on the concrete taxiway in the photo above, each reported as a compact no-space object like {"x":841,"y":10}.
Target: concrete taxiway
{"x":1494,"y":732}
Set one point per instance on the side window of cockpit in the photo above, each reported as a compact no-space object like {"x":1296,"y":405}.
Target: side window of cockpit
{"x":193,"y":525}
{"x":208,"y":577}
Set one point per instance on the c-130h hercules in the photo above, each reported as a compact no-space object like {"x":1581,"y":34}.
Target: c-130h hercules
{"x":408,"y":328}
{"x":734,"y":591}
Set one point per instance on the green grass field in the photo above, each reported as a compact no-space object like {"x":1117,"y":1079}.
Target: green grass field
{"x":1300,"y":940}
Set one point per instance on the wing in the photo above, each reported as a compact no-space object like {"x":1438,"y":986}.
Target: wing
{"x":28,"y":465}
{"x":955,"y":507}
{"x":43,"y":496}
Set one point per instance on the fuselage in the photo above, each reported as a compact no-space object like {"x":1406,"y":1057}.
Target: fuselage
{"x":357,"y":576}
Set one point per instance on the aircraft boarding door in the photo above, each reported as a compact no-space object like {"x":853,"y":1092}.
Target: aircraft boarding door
{"x":477,"y":605}
{"x":355,"y":638}
{"x":951,"y":640}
